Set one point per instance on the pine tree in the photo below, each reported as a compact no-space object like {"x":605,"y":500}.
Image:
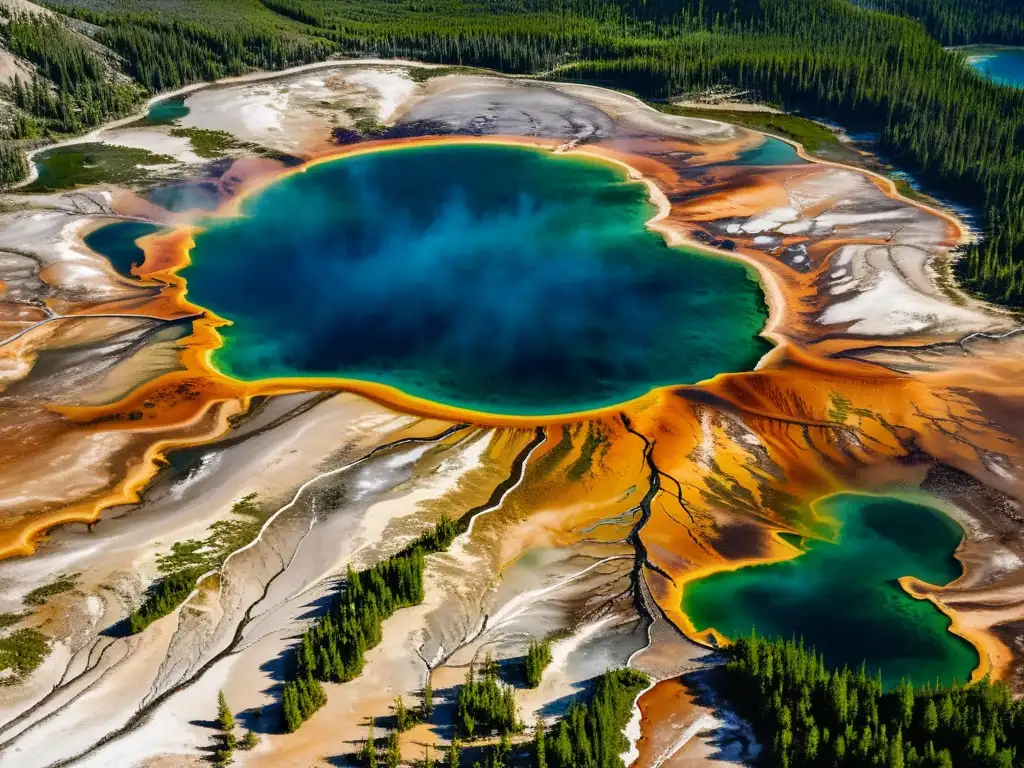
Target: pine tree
{"x":393,"y":753}
{"x":539,"y":757}
{"x":453,"y":754}
{"x":930,"y":718}
{"x":428,"y":698}
{"x":291,"y":715}
{"x":403,"y":721}
{"x":225,"y":720}
{"x":250,"y":740}
{"x":368,"y":751}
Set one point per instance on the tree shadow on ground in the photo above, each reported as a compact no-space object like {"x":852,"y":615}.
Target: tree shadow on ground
{"x":732,"y":737}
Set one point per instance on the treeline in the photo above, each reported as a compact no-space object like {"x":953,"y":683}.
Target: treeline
{"x":870,"y":70}
{"x":13,"y":167}
{"x":73,"y":90}
{"x":485,"y":706}
{"x":962,"y":22}
{"x":809,"y":716}
{"x":590,"y":734}
{"x":164,"y":54}
{"x":332,"y":649}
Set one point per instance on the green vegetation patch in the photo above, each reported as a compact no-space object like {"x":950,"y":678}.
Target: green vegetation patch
{"x":596,"y":439}
{"x":815,"y":137}
{"x":550,"y":460}
{"x":810,"y":716}
{"x":8,"y":620}
{"x":63,"y":583}
{"x":591,"y":731}
{"x":906,"y":189}
{"x":364,"y":120}
{"x":538,"y":657}
{"x":21,"y":653}
{"x":332,"y":649}
{"x":190,"y":559}
{"x":485,"y":705}
{"x":208,"y":144}
{"x":81,"y":165}
{"x":13,"y":167}
{"x":423,"y":74}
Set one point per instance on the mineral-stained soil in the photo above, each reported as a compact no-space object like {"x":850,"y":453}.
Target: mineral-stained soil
{"x":118,"y":439}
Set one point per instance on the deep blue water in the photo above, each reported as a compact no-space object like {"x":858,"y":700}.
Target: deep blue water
{"x":117,"y":243}
{"x":498,"y":278}
{"x":1003,"y":65}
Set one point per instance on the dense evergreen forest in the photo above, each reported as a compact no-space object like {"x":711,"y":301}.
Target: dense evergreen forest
{"x":962,"y":22}
{"x":590,"y":734}
{"x":870,"y":70}
{"x":811,"y":717}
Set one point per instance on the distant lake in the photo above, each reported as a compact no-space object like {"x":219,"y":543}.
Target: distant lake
{"x":117,"y":242}
{"x":1003,"y":65}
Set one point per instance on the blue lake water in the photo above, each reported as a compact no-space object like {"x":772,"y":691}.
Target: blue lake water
{"x":1002,"y":65}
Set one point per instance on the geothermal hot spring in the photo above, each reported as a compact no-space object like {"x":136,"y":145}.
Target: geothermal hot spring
{"x":497,"y":278}
{"x":842,"y":595}
{"x":511,"y":280}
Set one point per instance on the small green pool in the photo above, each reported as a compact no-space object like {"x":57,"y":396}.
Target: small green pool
{"x":166,"y":111}
{"x":843,"y":597}
{"x":769,"y":152}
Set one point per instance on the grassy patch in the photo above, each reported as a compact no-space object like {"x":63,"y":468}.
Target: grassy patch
{"x":190,"y":559}
{"x":839,"y":410}
{"x":906,"y":189}
{"x":21,"y":652}
{"x":815,"y":137}
{"x":63,"y":583}
{"x":365,"y":121}
{"x":208,"y":144}
{"x":8,"y":620}
{"x":80,"y":165}
{"x":213,"y":145}
{"x":945,"y":282}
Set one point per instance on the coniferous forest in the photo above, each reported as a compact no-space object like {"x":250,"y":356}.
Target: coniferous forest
{"x":809,"y":716}
{"x":333,"y":647}
{"x":871,"y":70}
{"x":867,"y":69}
